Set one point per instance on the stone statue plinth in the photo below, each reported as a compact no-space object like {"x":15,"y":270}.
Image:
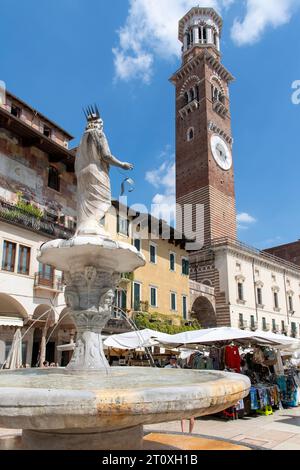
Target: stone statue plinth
{"x":92,"y":267}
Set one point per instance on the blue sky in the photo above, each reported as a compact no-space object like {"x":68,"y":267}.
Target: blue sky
{"x":59,"y":55}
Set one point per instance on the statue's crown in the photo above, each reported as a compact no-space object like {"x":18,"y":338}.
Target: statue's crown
{"x":92,"y":113}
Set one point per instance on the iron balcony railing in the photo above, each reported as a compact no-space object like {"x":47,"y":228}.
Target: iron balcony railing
{"x":13,"y":215}
{"x":266,"y":326}
{"x":54,"y":283}
{"x":243,"y":324}
{"x":254,"y":326}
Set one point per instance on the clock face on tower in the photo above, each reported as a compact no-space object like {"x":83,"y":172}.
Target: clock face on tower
{"x":221,"y":152}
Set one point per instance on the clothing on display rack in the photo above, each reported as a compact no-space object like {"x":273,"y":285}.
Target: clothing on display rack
{"x":233,"y":358}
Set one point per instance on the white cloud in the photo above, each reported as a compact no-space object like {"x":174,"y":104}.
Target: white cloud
{"x":151,"y":30}
{"x":163,"y":176}
{"x":244,"y":220}
{"x":163,"y":179}
{"x":261,"y":14}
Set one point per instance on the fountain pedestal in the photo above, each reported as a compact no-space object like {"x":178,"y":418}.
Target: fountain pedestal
{"x":92,"y":267}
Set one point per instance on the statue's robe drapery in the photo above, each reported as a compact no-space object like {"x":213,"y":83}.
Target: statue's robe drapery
{"x":93,"y":183}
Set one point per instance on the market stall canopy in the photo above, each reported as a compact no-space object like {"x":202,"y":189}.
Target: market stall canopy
{"x":137,"y":339}
{"x":282,"y":341}
{"x":211,"y":335}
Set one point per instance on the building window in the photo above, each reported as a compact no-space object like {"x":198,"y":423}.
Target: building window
{"x":276,"y":301}
{"x":190,"y":134}
{"x":259,"y":296}
{"x":47,"y":131}
{"x":291,"y":304}
{"x":53,"y":178}
{"x":46,"y":274}
{"x":252,"y":322}
{"x":137,"y":244}
{"x":153,"y":257}
{"x":274,"y":326}
{"x":185,"y":267}
{"x":122,"y":225}
{"x":24,"y":260}
{"x":121,"y":300}
{"x":173,"y":301}
{"x":172,"y":262}
{"x":136,"y":297}
{"x":9,"y":256}
{"x":184,"y":307}
{"x":203,"y":35}
{"x":241,"y":320}
{"x":241,"y":291}
{"x":264,"y":324}
{"x":15,"y":111}
{"x":283,"y":330}
{"x":294,"y":329}
{"x":153,"y":296}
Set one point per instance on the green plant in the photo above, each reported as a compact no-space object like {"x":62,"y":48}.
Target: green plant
{"x":162,"y":323}
{"x":29,"y":209}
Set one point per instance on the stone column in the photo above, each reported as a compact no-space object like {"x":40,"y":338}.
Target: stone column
{"x":196,"y":34}
{"x":210,"y":37}
{"x":185,"y":42}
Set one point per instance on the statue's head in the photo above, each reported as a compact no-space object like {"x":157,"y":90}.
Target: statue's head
{"x":94,"y":121}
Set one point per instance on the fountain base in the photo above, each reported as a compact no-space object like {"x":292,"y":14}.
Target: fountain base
{"x":84,"y":439}
{"x":65,"y":409}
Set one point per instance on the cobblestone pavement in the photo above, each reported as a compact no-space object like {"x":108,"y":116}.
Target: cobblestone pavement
{"x":280,"y":431}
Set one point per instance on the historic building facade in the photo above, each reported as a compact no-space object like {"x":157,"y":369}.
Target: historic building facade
{"x":252,"y":289}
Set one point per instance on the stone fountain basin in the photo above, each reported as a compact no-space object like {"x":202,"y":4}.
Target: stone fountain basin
{"x":97,"y":251}
{"x":121,"y":398}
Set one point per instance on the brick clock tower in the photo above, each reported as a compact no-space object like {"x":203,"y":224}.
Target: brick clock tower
{"x":204,"y":165}
{"x":204,"y":162}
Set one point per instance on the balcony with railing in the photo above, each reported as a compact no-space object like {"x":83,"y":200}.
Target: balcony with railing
{"x":54,"y":283}
{"x":294,"y":333}
{"x":284,"y":330}
{"x":14,"y":215}
{"x":254,"y":326}
{"x":221,"y":243}
{"x":266,"y":326}
{"x":243,"y":324}
{"x":126,"y":278}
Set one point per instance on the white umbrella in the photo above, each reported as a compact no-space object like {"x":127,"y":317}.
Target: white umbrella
{"x":14,"y":358}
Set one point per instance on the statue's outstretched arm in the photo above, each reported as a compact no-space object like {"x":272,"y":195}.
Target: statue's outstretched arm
{"x":110,"y":159}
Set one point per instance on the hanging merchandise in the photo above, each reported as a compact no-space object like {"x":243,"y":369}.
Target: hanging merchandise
{"x":258,"y":356}
{"x":232,"y":358}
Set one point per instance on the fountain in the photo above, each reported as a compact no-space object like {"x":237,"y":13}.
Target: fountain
{"x":89,"y":405}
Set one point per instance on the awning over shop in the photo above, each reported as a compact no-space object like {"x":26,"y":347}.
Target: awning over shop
{"x":11,"y":321}
{"x":148,"y":338}
{"x":137,"y":339}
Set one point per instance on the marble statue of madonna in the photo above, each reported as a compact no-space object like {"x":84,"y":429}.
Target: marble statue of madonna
{"x":92,"y":164}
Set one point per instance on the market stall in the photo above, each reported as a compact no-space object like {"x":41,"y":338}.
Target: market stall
{"x":256,"y":354}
